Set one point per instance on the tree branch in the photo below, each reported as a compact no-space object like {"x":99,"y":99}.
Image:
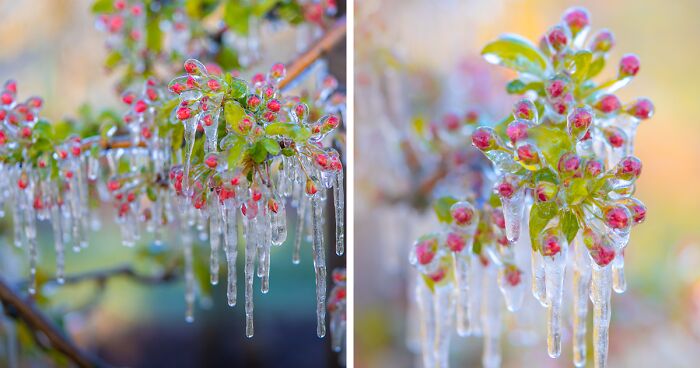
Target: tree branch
{"x":35,"y":319}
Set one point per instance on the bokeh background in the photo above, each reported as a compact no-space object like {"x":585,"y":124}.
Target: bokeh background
{"x":418,"y":57}
{"x":52,"y":49}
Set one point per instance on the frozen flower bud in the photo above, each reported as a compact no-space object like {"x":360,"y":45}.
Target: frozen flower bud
{"x":193,"y":66}
{"x":578,"y":121}
{"x":272,"y":205}
{"x":525,"y":110}
{"x":629,"y":65}
{"x":253,"y":102}
{"x":569,"y":164}
{"x":505,"y":188}
{"x":184,"y":113}
{"x":517,"y":131}
{"x":615,"y":136}
{"x":637,"y":209}
{"x":545,"y":191}
{"x":513,"y":275}
{"x":278,"y":71}
{"x":484,"y":138}
{"x":274,"y":105}
{"x":603,"y":41}
{"x":617,"y":217}
{"x":425,"y":250}
{"x":557,"y":37}
{"x":212,"y":161}
{"x":641,"y":109}
{"x":463,"y":213}
{"x":310,"y":187}
{"x":456,"y":242}
{"x":577,"y":19}
{"x":600,"y":253}
{"x":527,"y":154}
{"x":629,"y":168}
{"x":140,"y":106}
{"x":608,"y":104}
{"x":593,"y":168}
{"x":556,"y":87}
{"x":551,"y":243}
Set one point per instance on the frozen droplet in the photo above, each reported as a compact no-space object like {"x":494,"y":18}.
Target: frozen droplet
{"x":538,"y":278}
{"x":600,"y":296}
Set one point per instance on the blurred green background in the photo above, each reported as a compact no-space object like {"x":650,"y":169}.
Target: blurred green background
{"x":657,"y":321}
{"x":53,"y":50}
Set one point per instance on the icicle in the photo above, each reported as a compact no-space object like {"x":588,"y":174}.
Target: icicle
{"x":461,"y":267}
{"x":190,"y":130}
{"x":582,"y":285}
{"x":58,"y":240}
{"x":554,"y":269}
{"x":319,"y":265}
{"x":619,"y":283}
{"x":424,"y":299}
{"x":600,"y":296}
{"x":444,"y":305}
{"x":511,"y":286}
{"x":476,"y":275}
{"x":538,"y":277}
{"x":265,"y":262}
{"x":491,"y":320}
{"x":189,"y":276}
{"x":250,"y":255}
{"x":301,"y":216}
{"x":214,"y":238}
{"x":339,"y":199}
{"x":513,"y":214}
{"x":231,"y":241}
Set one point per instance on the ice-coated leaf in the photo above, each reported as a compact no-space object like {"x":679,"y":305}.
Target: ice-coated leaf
{"x":569,"y":224}
{"x":233,"y":113}
{"x":271,"y":146}
{"x":581,"y":62}
{"x":294,"y":131}
{"x":540,"y":214}
{"x":552,"y":141}
{"x":516,"y":53}
{"x":442,"y":208}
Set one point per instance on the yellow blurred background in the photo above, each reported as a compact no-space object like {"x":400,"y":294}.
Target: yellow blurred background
{"x":657,"y":321}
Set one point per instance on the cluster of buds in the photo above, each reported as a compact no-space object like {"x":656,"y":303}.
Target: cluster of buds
{"x":569,"y":147}
{"x":320,"y":12}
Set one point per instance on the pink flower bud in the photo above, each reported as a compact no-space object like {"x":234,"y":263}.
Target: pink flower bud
{"x":484,"y":138}
{"x":629,"y":168}
{"x":525,"y":109}
{"x":462,"y":213}
{"x":556,"y":87}
{"x":577,"y":19}
{"x":629,"y":65}
{"x":513,"y":275}
{"x":545,"y":191}
{"x":517,"y":131}
{"x":593,"y":168}
{"x":641,"y":109}
{"x":578,"y":122}
{"x":617,"y":217}
{"x":603,"y":41}
{"x":455,"y":242}
{"x":184,"y":113}
{"x":551,"y":243}
{"x":569,"y":164}
{"x":527,"y":154}
{"x":557,"y":38}
{"x":425,"y":251}
{"x":608,"y":104}
{"x":615,"y":136}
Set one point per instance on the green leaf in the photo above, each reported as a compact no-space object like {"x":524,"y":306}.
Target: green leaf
{"x":151,"y":194}
{"x":429,"y":283}
{"x":238,"y":88}
{"x":517,"y":87}
{"x":442,"y":208}
{"x":271,"y":146}
{"x":540,"y":214}
{"x":545,"y":174}
{"x":233,"y":113}
{"x":577,"y":191}
{"x":258,"y":152}
{"x":235,"y":153}
{"x":42,"y":130}
{"x":227,"y":58}
{"x":296,"y":132}
{"x":552,"y":141}
{"x":123,"y":166}
{"x":581,"y":63}
{"x":596,"y":66}
{"x":291,"y":12}
{"x":568,"y":223}
{"x":103,"y":6}
{"x":516,"y":53}
{"x":288,"y":152}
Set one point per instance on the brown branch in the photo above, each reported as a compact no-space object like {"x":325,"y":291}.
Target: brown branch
{"x":37,"y":322}
{"x":315,"y":52}
{"x":100,"y":276}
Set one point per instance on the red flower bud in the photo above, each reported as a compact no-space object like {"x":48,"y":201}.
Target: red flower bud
{"x":484,"y":139}
{"x":641,"y":109}
{"x":569,"y":163}
{"x":629,"y":168}
{"x":603,"y":41}
{"x":462,"y":213}
{"x":184,"y":113}
{"x":517,"y":131}
{"x":617,"y":217}
{"x":455,"y":242}
{"x":629,"y":65}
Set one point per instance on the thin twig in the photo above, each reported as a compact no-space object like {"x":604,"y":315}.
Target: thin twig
{"x":35,"y":319}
